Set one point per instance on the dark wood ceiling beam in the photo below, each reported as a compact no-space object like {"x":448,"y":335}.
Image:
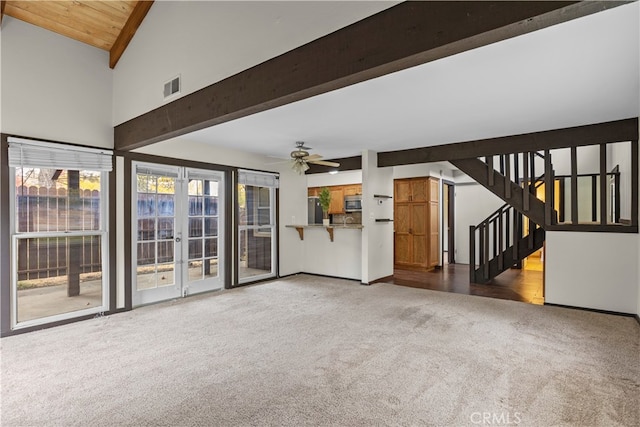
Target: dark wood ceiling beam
{"x":406,"y":35}
{"x":2,"y":5}
{"x":616,"y":131}
{"x":346,"y":164}
{"x":128,"y":31}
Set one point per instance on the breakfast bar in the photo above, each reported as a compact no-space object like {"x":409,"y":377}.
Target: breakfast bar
{"x":331,"y":249}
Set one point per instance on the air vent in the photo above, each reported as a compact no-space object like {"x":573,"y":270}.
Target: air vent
{"x":172,"y":87}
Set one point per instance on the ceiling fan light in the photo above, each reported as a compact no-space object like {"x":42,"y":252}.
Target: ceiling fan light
{"x":300,"y":167}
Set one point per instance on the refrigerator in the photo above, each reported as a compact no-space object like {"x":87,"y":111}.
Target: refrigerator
{"x":314,"y":211}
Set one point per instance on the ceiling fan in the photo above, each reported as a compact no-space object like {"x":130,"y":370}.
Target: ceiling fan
{"x":301,"y":157}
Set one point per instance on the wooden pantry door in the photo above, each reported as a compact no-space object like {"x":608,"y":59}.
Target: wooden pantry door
{"x":416,"y":223}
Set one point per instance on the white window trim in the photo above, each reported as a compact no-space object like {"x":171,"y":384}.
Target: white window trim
{"x":15,"y":236}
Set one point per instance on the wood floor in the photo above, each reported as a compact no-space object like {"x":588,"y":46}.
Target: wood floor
{"x":515,"y":285}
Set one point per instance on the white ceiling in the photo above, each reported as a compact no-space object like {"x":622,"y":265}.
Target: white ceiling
{"x":580,"y":72}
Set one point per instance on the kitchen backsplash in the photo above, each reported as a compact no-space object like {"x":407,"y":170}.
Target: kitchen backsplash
{"x":350,"y":218}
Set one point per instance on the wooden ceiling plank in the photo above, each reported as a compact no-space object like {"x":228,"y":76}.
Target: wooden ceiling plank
{"x":91,"y":17}
{"x":51,"y":25}
{"x":105,"y":8}
{"x":117,"y":8}
{"x":127,"y":33}
{"x":73,"y":15}
{"x":408,"y":34}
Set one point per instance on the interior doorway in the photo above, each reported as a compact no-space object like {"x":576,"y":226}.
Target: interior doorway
{"x":448,"y":223}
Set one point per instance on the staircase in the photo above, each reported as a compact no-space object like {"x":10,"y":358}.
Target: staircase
{"x":498,"y":243}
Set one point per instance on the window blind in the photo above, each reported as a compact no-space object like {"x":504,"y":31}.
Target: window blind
{"x":28,"y":153}
{"x":258,"y":179}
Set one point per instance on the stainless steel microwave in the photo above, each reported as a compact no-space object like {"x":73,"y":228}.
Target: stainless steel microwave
{"x":353,"y":203}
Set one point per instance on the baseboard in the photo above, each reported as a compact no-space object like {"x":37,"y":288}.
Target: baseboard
{"x":331,"y":277}
{"x":289,"y":275}
{"x":381,"y":280}
{"x":594,"y":310}
{"x":48,"y":325}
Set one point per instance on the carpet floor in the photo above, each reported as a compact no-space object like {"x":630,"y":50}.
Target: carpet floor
{"x":307,"y":350}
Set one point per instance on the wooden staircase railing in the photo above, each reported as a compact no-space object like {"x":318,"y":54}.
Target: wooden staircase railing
{"x":515,"y":181}
{"x":497,"y":243}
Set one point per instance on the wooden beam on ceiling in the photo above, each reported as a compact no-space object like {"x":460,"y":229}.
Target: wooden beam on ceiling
{"x":408,"y":34}
{"x":616,"y":131}
{"x":2,"y":5}
{"x":128,"y":31}
{"x":346,"y":164}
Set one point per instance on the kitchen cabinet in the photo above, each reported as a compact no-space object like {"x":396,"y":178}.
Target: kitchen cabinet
{"x":352,"y":190}
{"x":411,"y":190}
{"x":337,"y":200}
{"x":337,"y":195}
{"x":416,"y":237}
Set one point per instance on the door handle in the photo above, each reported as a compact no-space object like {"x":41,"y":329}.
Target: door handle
{"x":178,"y":240}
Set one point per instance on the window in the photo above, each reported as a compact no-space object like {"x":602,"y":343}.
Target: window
{"x":262,"y":209}
{"x":59,"y":231}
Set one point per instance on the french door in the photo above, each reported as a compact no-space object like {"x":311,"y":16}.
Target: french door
{"x":176,"y":221}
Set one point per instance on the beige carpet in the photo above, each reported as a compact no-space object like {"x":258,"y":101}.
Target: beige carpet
{"x":313,"y":351}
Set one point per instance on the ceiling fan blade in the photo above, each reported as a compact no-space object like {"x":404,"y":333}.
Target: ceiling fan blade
{"x":325,"y":163}
{"x":313,"y":157}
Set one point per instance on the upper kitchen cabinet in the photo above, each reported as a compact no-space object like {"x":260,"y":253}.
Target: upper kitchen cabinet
{"x":352,"y":190}
{"x":337,"y":200}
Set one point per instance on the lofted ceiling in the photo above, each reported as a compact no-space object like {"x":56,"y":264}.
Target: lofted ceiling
{"x":108,"y":25}
{"x":579,"y":72}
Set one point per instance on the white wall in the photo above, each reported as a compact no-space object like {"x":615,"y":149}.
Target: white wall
{"x":341,"y":178}
{"x":207,"y":41}
{"x":473,"y":204}
{"x":120,"y":227}
{"x":53,"y":87}
{"x":436,"y":169}
{"x":592,"y":270}
{"x":377,"y":237}
{"x":293,"y":189}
